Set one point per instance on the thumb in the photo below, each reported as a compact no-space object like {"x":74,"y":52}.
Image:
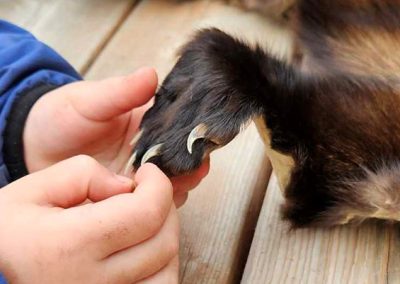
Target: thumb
{"x":106,"y":99}
{"x":69,"y":183}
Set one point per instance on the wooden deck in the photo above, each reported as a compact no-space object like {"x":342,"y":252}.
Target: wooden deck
{"x":231,"y":229}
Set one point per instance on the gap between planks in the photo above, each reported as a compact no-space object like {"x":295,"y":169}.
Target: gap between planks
{"x":96,"y":52}
{"x":78,"y":30}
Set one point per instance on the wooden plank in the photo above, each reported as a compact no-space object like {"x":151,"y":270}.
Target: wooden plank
{"x":76,"y":29}
{"x":219,"y":219}
{"x":393,"y":269}
{"x":347,"y":254}
{"x":155,"y":30}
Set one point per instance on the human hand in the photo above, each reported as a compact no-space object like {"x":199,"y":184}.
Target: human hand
{"x":97,"y":119}
{"x":49,"y":236}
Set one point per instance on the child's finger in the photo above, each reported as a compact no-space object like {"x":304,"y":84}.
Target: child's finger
{"x":106,"y":99}
{"x":169,"y":274}
{"x":148,"y":257}
{"x":126,"y":219}
{"x":70,"y":182}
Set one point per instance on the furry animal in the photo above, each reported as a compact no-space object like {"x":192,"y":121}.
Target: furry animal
{"x":331,"y":117}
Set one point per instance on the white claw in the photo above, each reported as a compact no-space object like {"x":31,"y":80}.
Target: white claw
{"x":136,"y":138}
{"x":129,"y":164}
{"x":152,"y":152}
{"x":198,"y":132}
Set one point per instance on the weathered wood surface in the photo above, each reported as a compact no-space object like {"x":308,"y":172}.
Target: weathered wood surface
{"x":218,"y":220}
{"x":76,"y":29}
{"x":347,"y":254}
{"x":113,"y":37}
{"x":155,"y":31}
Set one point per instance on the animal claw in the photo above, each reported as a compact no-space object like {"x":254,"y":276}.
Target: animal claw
{"x":152,"y":152}
{"x":129,"y":163}
{"x":136,"y":138}
{"x":199,"y":132}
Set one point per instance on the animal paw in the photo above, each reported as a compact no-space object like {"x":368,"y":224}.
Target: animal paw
{"x":199,"y":107}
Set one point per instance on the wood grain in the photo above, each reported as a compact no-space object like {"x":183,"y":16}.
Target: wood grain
{"x":219,"y":219}
{"x":155,"y":31}
{"x":347,"y":254}
{"x":78,"y":30}
{"x":393,"y":269}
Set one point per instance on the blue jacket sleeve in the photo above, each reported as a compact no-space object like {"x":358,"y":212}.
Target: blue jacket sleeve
{"x":27,"y":66}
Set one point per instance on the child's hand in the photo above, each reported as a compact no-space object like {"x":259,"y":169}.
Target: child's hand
{"x":94,"y":118}
{"x":119,"y":237}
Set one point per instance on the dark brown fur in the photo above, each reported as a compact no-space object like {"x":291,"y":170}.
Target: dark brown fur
{"x":335,"y":111}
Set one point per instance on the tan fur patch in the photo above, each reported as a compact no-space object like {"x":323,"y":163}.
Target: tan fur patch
{"x":281,"y":164}
{"x":367,"y":52}
{"x":377,"y":196}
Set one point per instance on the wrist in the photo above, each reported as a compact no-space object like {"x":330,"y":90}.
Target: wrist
{"x":13,"y":149}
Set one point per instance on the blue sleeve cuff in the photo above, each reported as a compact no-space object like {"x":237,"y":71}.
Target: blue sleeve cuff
{"x":2,"y":279}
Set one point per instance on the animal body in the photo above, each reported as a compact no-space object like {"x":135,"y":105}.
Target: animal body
{"x":331,"y":117}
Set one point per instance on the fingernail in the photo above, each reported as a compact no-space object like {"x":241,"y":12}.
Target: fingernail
{"x":124,"y":179}
{"x":133,"y":186}
{"x":127,"y":181}
{"x":147,"y":73}
{"x":144,"y":70}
